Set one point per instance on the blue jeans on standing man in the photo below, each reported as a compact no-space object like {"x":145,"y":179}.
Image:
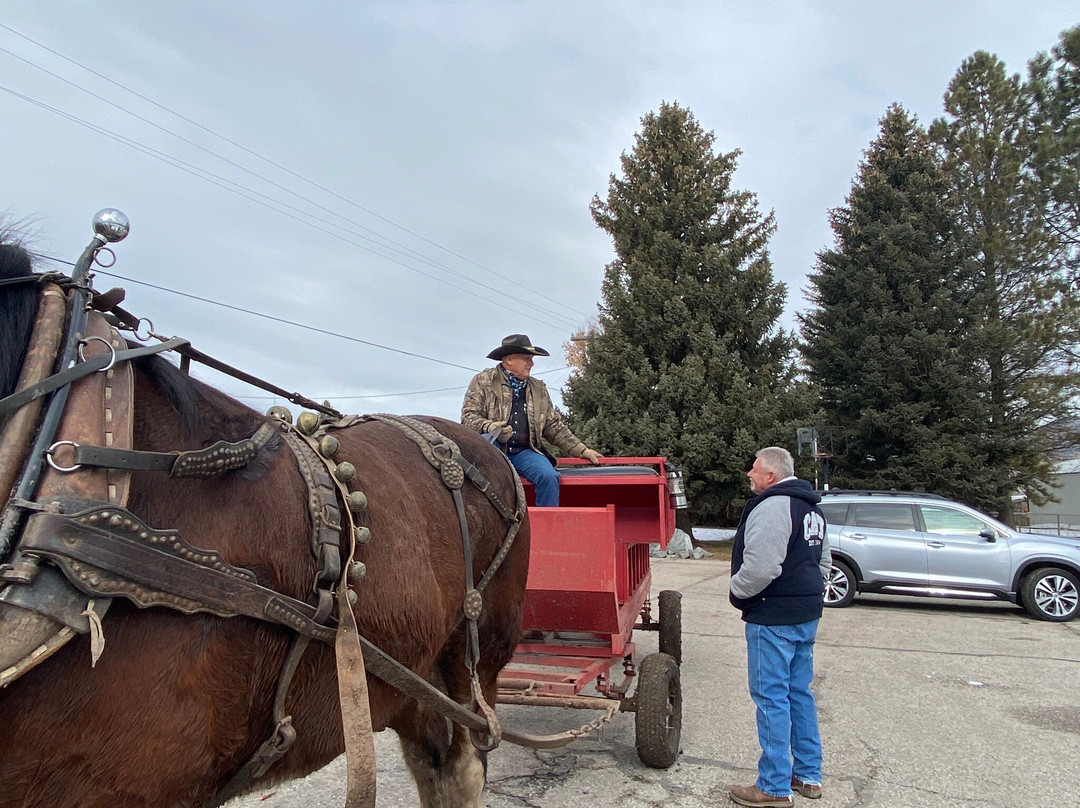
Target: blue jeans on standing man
{"x":537,"y":469}
{"x":780,"y":662}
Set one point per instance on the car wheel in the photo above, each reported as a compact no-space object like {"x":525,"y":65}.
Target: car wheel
{"x":840,"y":585}
{"x":1051,"y":594}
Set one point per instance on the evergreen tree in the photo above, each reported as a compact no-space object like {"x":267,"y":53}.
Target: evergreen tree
{"x":884,"y":344}
{"x":1054,"y":82}
{"x":1026,"y":321}
{"x":686,"y":360}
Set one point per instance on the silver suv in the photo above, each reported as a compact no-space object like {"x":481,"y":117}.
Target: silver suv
{"x":920,"y":544}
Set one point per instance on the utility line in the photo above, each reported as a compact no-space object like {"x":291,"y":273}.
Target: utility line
{"x":404,"y":251}
{"x":303,"y":326}
{"x":272,"y":163}
{"x":245,"y":193}
{"x":287,"y":322}
{"x":394,"y":395}
{"x":266,"y":316}
{"x":306,"y":327}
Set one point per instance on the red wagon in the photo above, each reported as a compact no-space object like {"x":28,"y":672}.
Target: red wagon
{"x":589,"y":589}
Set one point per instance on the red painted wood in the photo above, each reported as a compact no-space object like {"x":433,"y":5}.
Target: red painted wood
{"x":589,"y":573}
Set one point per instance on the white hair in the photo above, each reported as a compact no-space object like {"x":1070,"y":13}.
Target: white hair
{"x":777,"y":460}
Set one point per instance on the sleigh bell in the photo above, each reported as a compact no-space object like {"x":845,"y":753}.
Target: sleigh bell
{"x":308,"y":422}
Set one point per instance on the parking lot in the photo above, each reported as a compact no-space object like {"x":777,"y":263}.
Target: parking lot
{"x":950,"y":704}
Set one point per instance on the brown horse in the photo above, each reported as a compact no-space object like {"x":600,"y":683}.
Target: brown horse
{"x":177,"y":703}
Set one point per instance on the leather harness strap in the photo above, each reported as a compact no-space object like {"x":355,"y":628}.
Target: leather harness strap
{"x":209,"y":462}
{"x":41,"y":353}
{"x":82,"y":369}
{"x":445,"y":455}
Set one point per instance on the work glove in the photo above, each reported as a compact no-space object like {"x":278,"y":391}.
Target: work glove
{"x":592,"y":456}
{"x":504,"y":431}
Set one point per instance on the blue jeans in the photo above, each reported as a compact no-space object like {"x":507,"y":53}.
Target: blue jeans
{"x":538,"y":470}
{"x":780,"y":662}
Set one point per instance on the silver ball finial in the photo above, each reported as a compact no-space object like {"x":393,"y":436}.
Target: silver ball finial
{"x":111,"y":225}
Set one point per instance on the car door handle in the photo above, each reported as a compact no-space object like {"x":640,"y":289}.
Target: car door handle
{"x":857,"y":536}
{"x":935,"y":544}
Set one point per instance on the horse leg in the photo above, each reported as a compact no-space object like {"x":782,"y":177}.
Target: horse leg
{"x":449,"y":771}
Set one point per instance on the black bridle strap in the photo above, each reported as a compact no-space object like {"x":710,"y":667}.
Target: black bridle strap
{"x":85,"y":368}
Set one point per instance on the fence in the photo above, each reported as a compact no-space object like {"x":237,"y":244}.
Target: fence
{"x":1059,"y":524}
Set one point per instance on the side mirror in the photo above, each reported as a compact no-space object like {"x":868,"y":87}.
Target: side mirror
{"x":988,"y":534}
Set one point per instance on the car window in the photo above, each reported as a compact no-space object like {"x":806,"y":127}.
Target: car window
{"x":884,"y":515}
{"x":950,"y":522}
{"x":835,"y":512}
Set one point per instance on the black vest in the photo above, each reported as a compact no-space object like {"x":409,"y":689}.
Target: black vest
{"x":797,"y":594}
{"x":519,"y":421}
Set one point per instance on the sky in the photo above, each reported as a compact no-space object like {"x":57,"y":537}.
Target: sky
{"x":411,"y":180}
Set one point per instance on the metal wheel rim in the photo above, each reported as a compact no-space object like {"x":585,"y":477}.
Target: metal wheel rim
{"x":673,"y":716}
{"x":837,"y":587}
{"x":1056,"y":595}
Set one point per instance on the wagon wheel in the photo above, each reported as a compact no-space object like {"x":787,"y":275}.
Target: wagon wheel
{"x":671,"y":624}
{"x":659,"y":711}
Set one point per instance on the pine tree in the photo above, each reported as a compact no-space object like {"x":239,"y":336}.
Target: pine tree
{"x":1026,"y":318}
{"x":885,"y":342}
{"x":1054,"y":82}
{"x":686,"y":360}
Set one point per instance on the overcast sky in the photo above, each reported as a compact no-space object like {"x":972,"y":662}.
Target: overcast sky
{"x":418,"y":175}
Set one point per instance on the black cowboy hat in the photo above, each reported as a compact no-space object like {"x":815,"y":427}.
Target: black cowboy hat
{"x":517,"y":343}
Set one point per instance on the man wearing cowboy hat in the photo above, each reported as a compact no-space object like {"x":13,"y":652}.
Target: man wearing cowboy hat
{"x":507,"y":402}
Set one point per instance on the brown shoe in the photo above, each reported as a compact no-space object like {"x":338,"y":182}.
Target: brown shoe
{"x":808,"y":790}
{"x":752,"y":795}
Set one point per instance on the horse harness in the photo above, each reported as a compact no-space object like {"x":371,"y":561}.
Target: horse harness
{"x":79,"y":522}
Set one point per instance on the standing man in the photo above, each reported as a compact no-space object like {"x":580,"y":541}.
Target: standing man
{"x":507,"y":402}
{"x":779,"y":560}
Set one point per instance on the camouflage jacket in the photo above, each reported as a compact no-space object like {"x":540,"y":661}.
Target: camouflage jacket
{"x":488,"y":400}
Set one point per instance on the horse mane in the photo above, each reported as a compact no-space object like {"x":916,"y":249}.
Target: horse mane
{"x":18,"y":307}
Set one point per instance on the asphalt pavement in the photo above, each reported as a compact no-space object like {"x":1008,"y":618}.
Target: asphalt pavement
{"x":950,"y":704}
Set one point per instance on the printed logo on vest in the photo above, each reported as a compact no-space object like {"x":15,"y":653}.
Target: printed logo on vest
{"x":813,"y":528}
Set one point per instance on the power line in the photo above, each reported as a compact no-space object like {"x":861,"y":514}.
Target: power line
{"x":176,"y":162}
{"x":394,"y":395}
{"x":288,"y":322}
{"x":274,"y":164}
{"x":303,"y":326}
{"x":266,"y":316}
{"x":254,"y":196}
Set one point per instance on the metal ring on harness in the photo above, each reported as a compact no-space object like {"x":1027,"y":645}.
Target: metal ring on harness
{"x":97,"y":258}
{"x":106,"y":343}
{"x":149,"y":329}
{"x":53,"y":448}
